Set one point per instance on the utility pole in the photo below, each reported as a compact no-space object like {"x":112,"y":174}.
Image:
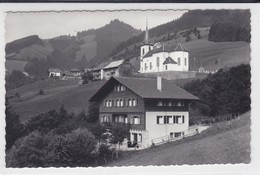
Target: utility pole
{"x":194,"y":63}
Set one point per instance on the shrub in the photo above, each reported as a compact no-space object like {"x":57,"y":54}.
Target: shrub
{"x":27,"y":152}
{"x":41,"y":92}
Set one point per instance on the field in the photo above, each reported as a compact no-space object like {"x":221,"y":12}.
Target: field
{"x":57,"y":92}
{"x":219,"y":145}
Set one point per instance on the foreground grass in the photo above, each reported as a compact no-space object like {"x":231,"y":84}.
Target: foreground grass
{"x":219,"y":145}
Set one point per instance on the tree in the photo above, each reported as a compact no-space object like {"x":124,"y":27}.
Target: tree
{"x":28,"y":152}
{"x":93,"y":112}
{"x":119,"y":133}
{"x":87,"y":76}
{"x":14,"y":128}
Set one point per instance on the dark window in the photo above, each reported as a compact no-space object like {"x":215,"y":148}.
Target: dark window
{"x":179,"y":61}
{"x":157,"y":61}
{"x":183,"y":119}
{"x":165,"y":67}
{"x":151,"y":66}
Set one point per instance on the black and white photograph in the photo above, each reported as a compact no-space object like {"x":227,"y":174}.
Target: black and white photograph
{"x":129,"y":87}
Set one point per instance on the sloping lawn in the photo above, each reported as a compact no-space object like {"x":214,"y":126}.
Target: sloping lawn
{"x":215,"y":146}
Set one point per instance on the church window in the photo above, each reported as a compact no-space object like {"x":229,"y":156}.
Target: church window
{"x":179,"y":61}
{"x":157,"y":61}
{"x":165,"y":67}
{"x":185,"y":61}
{"x":143,"y":51}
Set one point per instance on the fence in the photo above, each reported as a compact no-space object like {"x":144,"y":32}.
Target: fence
{"x":193,"y":130}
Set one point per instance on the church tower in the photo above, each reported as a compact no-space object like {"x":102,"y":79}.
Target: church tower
{"x":145,"y":48}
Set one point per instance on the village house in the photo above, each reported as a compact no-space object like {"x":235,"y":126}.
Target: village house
{"x":162,"y":57}
{"x":116,"y":69}
{"x":154,"y":108}
{"x":54,"y":72}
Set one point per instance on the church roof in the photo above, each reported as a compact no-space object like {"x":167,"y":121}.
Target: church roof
{"x":166,"y":48}
{"x":169,"y":60}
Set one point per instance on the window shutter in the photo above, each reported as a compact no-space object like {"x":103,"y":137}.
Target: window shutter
{"x":174,"y":119}
{"x":165,"y":119}
{"x":168,"y":117}
{"x":183,"y":119}
{"x":158,"y":119}
{"x":136,"y":102}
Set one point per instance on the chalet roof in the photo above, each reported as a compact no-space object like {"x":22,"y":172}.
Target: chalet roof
{"x":166,"y":48}
{"x":114,"y":64}
{"x":146,"y":88}
{"x":75,"y":70}
{"x":100,"y":66}
{"x":169,"y":60}
{"x":54,"y":70}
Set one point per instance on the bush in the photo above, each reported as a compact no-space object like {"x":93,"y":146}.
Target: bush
{"x":28,"y":152}
{"x":77,"y":148}
{"x":41,"y":92}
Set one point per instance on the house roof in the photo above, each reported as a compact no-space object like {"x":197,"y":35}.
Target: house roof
{"x":166,"y":48}
{"x":114,"y":64}
{"x":54,"y":70}
{"x":169,"y":60}
{"x":145,"y":88}
{"x":100,"y":66}
{"x":75,"y":70}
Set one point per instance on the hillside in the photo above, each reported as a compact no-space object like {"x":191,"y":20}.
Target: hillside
{"x":76,"y":51}
{"x":218,"y":145}
{"x":57,"y":92}
{"x":211,"y":55}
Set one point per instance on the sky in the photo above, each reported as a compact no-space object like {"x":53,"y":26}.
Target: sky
{"x":52,"y":24}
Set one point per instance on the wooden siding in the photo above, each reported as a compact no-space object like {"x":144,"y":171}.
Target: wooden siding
{"x":127,"y":94}
{"x":151,"y":105}
{"x":140,"y":126}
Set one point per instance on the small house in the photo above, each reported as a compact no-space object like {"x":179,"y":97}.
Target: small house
{"x":54,"y":72}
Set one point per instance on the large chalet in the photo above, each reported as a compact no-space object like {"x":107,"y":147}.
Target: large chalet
{"x":153,"y":107}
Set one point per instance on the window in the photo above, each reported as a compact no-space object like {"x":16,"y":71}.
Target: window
{"x":123,"y":88}
{"x":151,"y":66}
{"x":134,"y":102}
{"x":135,"y":120}
{"x":129,"y":102}
{"x":145,"y":66}
{"x":107,"y":103}
{"x":118,"y":88}
{"x":159,"y":103}
{"x":117,"y":103}
{"x":104,"y":119}
{"x":169,"y":103}
{"x":165,"y":67}
{"x":179,"y":61}
{"x":183,"y":119}
{"x":157,"y":61}
{"x":110,"y":103}
{"x":185,"y":61}
{"x":179,"y":103}
{"x":160,"y":120}
{"x":143,"y":51}
{"x":170,"y":119}
{"x":121,"y":102}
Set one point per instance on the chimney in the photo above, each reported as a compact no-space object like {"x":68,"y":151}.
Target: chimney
{"x":159,"y":83}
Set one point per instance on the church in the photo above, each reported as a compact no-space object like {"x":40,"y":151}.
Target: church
{"x":162,"y":57}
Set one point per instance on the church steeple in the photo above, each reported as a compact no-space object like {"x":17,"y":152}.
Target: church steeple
{"x":146,"y":39}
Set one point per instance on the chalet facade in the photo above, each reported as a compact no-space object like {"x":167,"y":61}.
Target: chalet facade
{"x":112,"y":69}
{"x":153,"y":108}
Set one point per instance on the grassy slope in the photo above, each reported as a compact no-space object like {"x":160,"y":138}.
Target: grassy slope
{"x":213,"y":146}
{"x":73,"y":97}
